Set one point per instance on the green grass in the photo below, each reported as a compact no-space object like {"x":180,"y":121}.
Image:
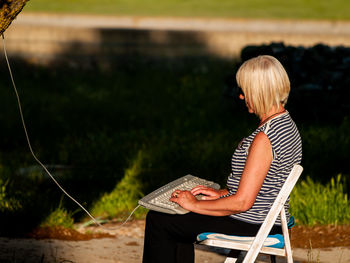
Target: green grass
{"x":313,"y":203}
{"x":268,"y":9}
{"x":59,"y":217}
{"x":124,"y":196}
{"x":7,"y":203}
{"x":320,"y":144}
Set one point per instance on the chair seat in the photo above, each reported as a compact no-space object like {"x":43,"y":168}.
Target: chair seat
{"x":275,"y":241}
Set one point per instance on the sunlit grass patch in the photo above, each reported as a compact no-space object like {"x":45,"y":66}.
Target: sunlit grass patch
{"x":124,"y":196}
{"x":59,"y":217}
{"x":313,"y":203}
{"x":7,"y":203}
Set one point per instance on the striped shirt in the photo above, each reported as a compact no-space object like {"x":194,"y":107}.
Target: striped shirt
{"x":286,"y":151}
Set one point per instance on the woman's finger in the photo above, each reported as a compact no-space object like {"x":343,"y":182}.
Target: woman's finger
{"x":197,"y":189}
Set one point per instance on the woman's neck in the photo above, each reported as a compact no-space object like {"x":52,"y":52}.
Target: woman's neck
{"x":275,"y":111}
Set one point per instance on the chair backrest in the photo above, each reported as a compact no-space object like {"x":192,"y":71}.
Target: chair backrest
{"x":275,"y":210}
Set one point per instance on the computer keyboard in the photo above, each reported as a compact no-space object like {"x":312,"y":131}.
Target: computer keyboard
{"x":158,"y":200}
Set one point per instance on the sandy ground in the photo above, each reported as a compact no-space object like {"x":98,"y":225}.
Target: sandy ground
{"x":306,"y":27}
{"x":125,"y":246}
{"x":125,"y":249}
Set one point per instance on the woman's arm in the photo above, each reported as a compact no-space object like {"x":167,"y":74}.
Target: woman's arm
{"x":257,"y":165}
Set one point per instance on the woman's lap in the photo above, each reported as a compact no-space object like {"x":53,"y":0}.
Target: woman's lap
{"x":188,"y":226}
{"x":166,"y":234}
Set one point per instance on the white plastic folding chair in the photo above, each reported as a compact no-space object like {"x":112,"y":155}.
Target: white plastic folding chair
{"x":278,"y":245}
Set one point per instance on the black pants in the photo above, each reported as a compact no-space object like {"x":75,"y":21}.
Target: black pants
{"x":170,"y":238}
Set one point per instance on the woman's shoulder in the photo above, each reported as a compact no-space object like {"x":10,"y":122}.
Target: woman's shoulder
{"x":274,"y":128}
{"x":281,"y":123}
{"x":282,"y":128}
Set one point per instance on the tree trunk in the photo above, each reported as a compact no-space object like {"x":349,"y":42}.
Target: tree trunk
{"x":9,"y":9}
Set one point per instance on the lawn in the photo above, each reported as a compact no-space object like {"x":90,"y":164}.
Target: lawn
{"x":267,"y":9}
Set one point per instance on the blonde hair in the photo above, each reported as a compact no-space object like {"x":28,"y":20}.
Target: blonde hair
{"x":264,"y":82}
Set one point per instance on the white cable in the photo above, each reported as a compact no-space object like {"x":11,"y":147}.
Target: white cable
{"x":114,"y":228}
{"x":32,"y":152}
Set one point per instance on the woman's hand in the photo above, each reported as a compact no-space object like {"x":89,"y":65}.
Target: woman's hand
{"x":208,"y":192}
{"x":184,"y":198}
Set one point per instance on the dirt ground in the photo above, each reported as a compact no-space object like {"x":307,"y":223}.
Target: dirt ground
{"x":125,"y":245}
{"x":322,"y":236}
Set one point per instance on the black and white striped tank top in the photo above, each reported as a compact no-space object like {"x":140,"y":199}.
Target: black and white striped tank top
{"x":287,"y":151}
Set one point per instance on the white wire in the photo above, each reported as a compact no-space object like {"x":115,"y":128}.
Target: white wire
{"x":32,"y":152}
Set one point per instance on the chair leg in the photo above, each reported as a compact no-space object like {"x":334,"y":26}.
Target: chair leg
{"x":273,"y":258}
{"x":286,"y":237}
{"x":230,"y":260}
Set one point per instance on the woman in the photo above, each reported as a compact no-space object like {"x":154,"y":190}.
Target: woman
{"x":260,"y":165}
